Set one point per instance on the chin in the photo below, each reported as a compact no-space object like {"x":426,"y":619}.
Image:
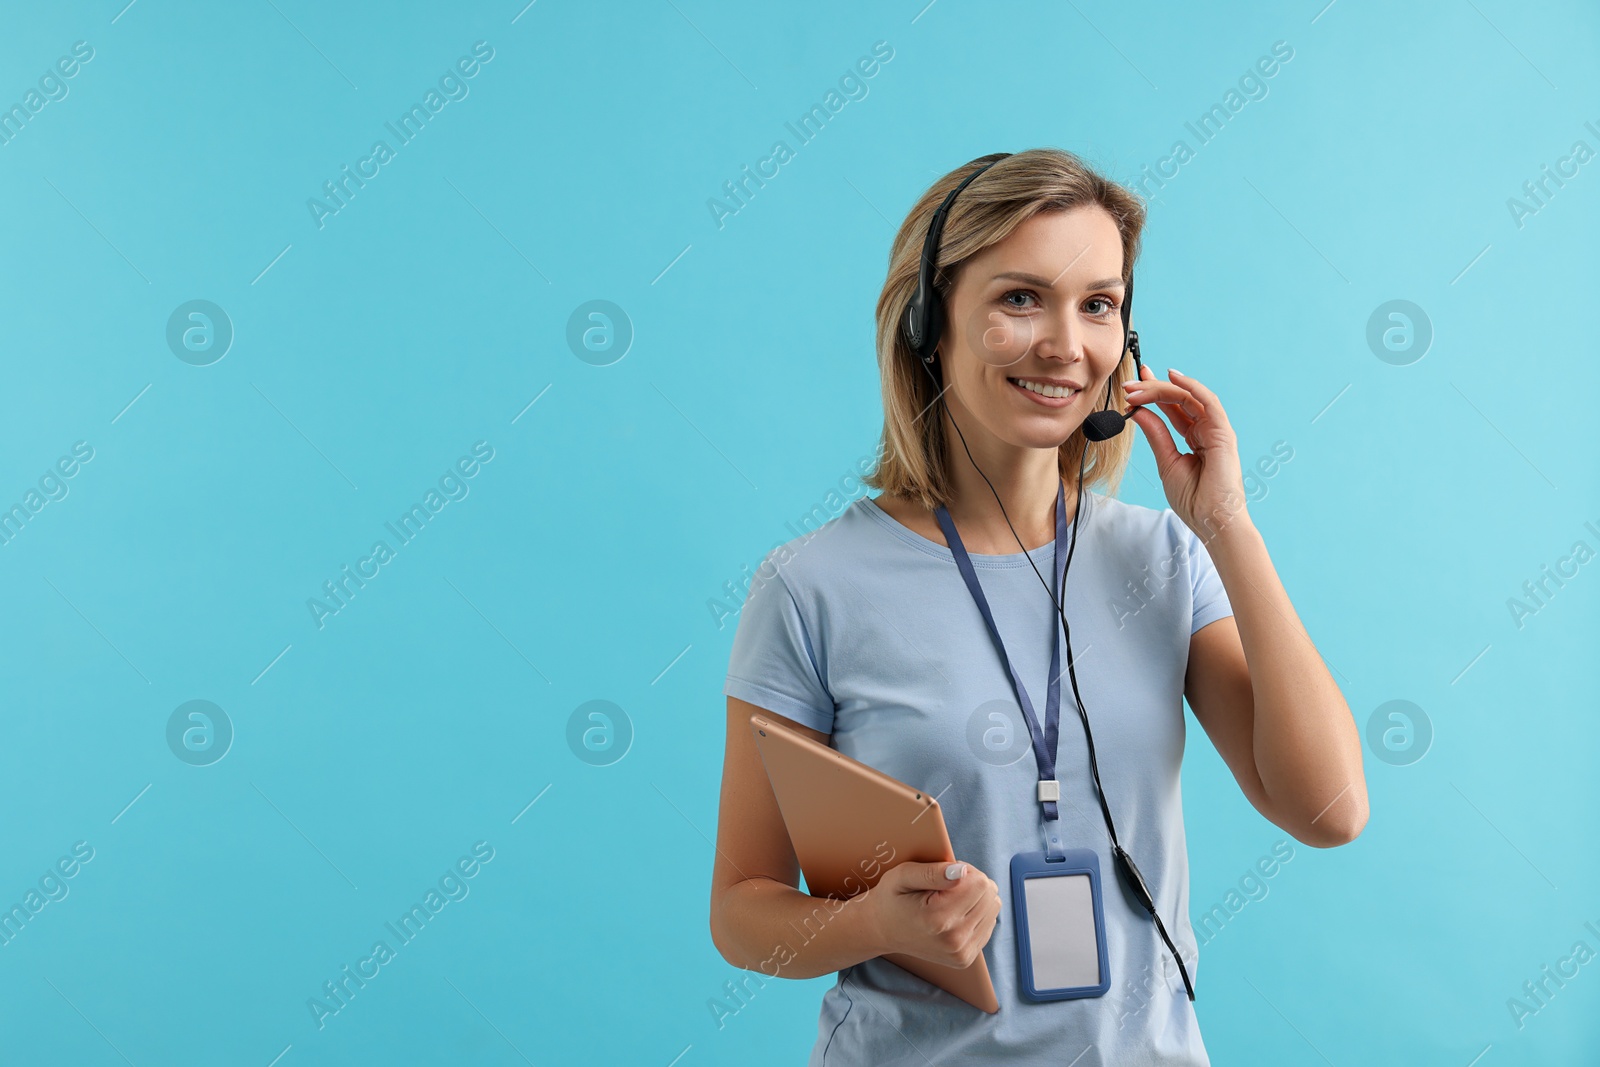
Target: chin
{"x":1052,"y":437}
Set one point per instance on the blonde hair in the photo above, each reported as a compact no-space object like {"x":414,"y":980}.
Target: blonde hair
{"x":912,"y":449}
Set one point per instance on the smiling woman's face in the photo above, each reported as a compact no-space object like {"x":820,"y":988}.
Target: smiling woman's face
{"x":1042,"y":306}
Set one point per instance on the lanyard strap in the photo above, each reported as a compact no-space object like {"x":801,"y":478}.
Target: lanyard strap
{"x":1044,"y":741}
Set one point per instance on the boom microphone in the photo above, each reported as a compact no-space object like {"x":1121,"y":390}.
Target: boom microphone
{"x":1106,"y":424}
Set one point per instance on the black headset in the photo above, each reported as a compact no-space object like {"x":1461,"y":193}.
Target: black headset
{"x":922,"y":325}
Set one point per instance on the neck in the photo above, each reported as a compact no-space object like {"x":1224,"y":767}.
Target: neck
{"x":1026,"y":480}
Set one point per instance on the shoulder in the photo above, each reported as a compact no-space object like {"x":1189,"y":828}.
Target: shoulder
{"x":821,"y":549}
{"x":1138,"y":535}
{"x":1136,"y":523}
{"x":1146,"y":551}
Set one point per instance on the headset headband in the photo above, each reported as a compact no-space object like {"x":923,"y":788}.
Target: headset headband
{"x":924,"y":320}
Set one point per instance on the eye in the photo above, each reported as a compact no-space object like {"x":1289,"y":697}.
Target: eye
{"x":1028,"y":293}
{"x":1109,"y":306}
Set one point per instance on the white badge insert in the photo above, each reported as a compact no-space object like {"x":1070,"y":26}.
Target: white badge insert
{"x":1060,"y":926}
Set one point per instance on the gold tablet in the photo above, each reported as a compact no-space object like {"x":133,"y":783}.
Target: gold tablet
{"x":849,"y":823}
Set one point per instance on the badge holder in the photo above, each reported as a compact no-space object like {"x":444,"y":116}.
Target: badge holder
{"x":1060,"y":925}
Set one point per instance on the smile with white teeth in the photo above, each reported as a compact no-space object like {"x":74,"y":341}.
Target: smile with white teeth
{"x":1057,"y":391}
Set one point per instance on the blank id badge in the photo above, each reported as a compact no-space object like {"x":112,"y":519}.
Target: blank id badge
{"x":1060,"y":926}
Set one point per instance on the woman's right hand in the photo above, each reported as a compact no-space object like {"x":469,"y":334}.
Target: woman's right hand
{"x":920,"y":910}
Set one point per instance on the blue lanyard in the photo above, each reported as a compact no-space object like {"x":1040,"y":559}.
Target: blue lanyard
{"x":1044,"y":742}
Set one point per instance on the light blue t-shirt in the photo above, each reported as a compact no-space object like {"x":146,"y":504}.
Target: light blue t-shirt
{"x":865,"y":630}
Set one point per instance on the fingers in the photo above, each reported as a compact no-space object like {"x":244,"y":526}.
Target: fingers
{"x":1182,"y":406}
{"x":984,"y":920}
{"x":1213,"y":406}
{"x":1209,"y":404}
{"x":974,"y":909}
{"x":984,"y":890}
{"x":1181,"y":419}
{"x":1161,"y":443}
{"x":983,"y":916}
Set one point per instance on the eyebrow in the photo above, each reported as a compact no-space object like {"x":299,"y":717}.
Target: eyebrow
{"x":1034,"y":279}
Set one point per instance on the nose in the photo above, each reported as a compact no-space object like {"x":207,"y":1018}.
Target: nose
{"x":1059,"y":336}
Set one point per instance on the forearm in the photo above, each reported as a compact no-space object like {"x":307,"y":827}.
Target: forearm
{"x":1306,"y":746}
{"x":764,"y":925}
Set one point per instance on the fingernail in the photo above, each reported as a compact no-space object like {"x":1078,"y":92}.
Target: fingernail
{"x":1175,"y":370}
{"x":955,"y":871}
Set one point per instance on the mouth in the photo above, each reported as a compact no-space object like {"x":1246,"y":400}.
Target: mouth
{"x":1051,"y":392}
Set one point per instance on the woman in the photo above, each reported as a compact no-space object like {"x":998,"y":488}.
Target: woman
{"x":867,"y":635}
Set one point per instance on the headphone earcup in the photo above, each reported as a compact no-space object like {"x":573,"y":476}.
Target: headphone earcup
{"x":911,"y":323}
{"x":933,"y":327}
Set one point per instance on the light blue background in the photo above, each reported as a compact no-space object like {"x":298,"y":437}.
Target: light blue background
{"x":428,"y":313}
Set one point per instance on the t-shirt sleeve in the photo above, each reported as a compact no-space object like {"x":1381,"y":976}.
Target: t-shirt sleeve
{"x":774,"y":664}
{"x":1207,"y":593}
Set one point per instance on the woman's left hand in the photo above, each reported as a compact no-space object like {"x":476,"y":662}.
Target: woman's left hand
{"x":1204,"y":486}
